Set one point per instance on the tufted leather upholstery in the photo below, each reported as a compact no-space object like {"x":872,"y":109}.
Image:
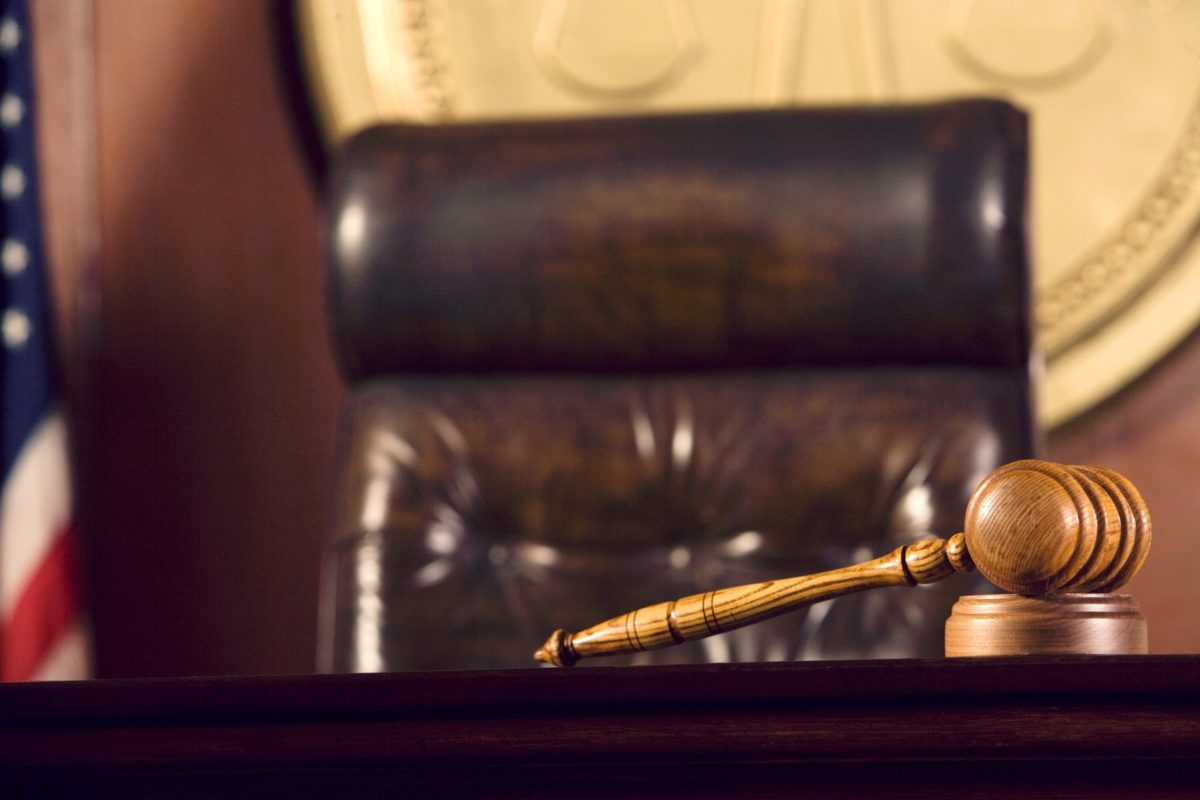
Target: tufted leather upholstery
{"x":601,"y":363}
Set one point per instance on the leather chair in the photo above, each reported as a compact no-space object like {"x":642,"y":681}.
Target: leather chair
{"x":599,"y":363}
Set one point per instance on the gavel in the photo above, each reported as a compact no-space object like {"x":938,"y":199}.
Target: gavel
{"x":1032,"y":527}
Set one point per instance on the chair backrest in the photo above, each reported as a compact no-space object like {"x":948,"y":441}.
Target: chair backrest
{"x":598,"y":362}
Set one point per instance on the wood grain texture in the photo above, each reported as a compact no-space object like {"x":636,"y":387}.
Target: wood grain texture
{"x":710,"y":613}
{"x":1046,"y":727}
{"x":1011,"y":625}
{"x":1034,"y":527}
{"x":1031,"y":527}
{"x":1129,"y":550}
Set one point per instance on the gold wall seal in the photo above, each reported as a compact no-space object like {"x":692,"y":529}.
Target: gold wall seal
{"x":1113,"y":87}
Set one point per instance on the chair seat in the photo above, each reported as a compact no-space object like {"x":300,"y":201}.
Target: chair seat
{"x":495,"y":511}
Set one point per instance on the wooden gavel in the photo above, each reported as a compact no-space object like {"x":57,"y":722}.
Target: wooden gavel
{"x":1032,"y":527}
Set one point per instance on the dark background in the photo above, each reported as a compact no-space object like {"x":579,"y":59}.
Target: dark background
{"x":184,"y":231}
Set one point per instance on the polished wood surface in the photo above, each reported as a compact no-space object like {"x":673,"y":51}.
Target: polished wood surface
{"x":1034,"y":527}
{"x":701,"y":615}
{"x":1011,"y":625}
{"x":1100,"y":727}
{"x":1031,"y":527}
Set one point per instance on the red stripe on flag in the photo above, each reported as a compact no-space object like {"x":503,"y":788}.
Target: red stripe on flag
{"x":44,"y":611}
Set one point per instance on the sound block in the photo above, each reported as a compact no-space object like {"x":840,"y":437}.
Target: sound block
{"x":1011,"y":625}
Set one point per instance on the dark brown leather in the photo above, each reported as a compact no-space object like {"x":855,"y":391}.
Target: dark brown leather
{"x":678,"y":243}
{"x":498,"y":511}
{"x":602,"y":363}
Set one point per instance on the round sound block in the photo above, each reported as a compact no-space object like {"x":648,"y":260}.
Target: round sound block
{"x":1011,"y":625}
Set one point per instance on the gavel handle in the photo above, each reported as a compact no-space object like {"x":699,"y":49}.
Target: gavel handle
{"x":701,"y":615}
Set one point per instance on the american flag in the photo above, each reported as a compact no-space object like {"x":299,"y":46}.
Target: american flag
{"x":42,"y":632}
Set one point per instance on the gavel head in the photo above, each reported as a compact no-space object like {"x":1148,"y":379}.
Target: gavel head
{"x":1033,"y":527}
